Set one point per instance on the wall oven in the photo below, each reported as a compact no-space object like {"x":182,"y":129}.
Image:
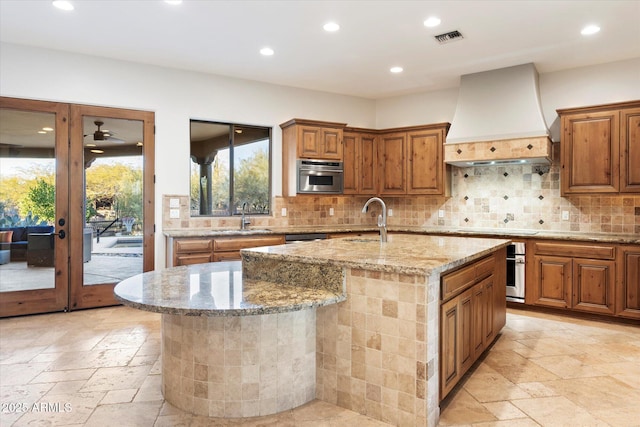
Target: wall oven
{"x":515,"y":271}
{"x":320,"y":176}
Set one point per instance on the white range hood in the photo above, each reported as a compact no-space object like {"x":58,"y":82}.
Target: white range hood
{"x":498,"y":120}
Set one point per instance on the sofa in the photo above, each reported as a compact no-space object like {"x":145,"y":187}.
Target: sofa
{"x":17,"y":239}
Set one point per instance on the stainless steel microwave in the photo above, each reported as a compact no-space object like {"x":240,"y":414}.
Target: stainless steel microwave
{"x":320,"y":176}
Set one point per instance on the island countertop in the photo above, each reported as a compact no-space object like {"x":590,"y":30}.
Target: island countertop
{"x":402,"y":253}
{"x":217,"y":289}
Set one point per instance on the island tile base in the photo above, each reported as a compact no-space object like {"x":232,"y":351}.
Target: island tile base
{"x":378,"y":350}
{"x":239,"y":366}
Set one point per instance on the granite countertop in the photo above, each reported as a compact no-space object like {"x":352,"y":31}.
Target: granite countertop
{"x":403,"y":253}
{"x":454,"y":231}
{"x":216,"y":289}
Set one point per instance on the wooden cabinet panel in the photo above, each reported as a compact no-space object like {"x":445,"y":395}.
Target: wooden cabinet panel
{"x":192,"y":259}
{"x":630,"y":151}
{"x":193,"y":245}
{"x":593,"y":287}
{"x":600,"y":149}
{"x":575,"y":250}
{"x":237,"y":243}
{"x":469,"y":315}
{"x":628,"y":287}
{"x":227,"y":256}
{"x":552,"y":281}
{"x":392,"y":163}
{"x":331,"y":144}
{"x":309,"y":142}
{"x":425,"y":168}
{"x":359,"y":150}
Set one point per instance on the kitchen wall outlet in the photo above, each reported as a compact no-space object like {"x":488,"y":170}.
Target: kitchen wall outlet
{"x":283,"y":212}
{"x":174,"y":203}
{"x":330,"y":211}
{"x":441,"y":213}
{"x":174,"y":213}
{"x":565,"y":215}
{"x":390,"y":212}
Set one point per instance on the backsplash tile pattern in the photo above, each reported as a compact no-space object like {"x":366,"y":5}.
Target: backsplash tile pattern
{"x":501,"y":197}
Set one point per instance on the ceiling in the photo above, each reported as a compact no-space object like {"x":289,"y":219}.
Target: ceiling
{"x":224,"y":38}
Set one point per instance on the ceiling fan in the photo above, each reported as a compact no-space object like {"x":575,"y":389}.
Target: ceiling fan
{"x":103,"y":135}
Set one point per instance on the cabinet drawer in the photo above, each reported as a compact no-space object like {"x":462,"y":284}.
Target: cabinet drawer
{"x":193,"y":245}
{"x":227,"y":256}
{"x":576,"y":251}
{"x":193,"y":259}
{"x":237,"y":243}
{"x":453,"y":282}
{"x":485,"y":267}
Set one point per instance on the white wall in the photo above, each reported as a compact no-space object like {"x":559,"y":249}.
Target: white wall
{"x":598,"y":84}
{"x":175,"y":96}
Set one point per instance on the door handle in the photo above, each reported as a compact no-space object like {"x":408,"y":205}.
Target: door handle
{"x":61,"y":234}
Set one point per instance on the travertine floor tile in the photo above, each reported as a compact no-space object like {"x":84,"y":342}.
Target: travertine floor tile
{"x":543,"y":370}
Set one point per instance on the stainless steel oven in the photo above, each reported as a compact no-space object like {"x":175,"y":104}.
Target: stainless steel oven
{"x":320,"y":176}
{"x":515,"y":271}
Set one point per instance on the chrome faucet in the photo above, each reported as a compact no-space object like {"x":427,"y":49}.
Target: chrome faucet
{"x":244,"y":221}
{"x":382,"y":219}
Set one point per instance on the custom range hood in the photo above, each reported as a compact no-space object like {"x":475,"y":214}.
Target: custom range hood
{"x":498,"y":120}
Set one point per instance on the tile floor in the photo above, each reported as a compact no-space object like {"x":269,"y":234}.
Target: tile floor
{"x":100,"y":368}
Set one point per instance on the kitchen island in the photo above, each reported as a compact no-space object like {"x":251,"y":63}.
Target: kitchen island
{"x":351,"y":321}
{"x":378,"y":351}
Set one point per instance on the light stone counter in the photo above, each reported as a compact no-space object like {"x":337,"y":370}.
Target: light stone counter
{"x":233,"y":347}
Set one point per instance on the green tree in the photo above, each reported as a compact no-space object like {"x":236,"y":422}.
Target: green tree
{"x":251,"y":182}
{"x":41,"y":201}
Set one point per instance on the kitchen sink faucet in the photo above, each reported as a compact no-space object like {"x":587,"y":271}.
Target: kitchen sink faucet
{"x":244,"y":221}
{"x":382,"y":219}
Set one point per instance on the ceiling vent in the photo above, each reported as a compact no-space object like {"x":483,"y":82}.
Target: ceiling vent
{"x":449,"y":37}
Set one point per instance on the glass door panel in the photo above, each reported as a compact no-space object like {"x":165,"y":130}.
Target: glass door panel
{"x":109,"y":241}
{"x":33,"y":206}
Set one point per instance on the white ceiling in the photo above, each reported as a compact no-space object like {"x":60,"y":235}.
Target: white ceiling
{"x":224,"y":37}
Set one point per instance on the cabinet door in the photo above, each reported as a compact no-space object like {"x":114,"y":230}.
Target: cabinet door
{"x":351,"y":162}
{"x":479,"y":308}
{"x":465,"y":332}
{"x":593,"y":285}
{"x":590,"y":153}
{"x":309,"y":142}
{"x":630,"y":151}
{"x":487,"y":319}
{"x":392,"y":164}
{"x":426,"y":165}
{"x":367,"y":154}
{"x":449,"y":352}
{"x":331,"y":146}
{"x":552,"y":281}
{"x":628,"y":288}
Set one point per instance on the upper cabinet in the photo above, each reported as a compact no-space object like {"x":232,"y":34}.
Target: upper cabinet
{"x":311,"y":139}
{"x":360,"y":160}
{"x":600,"y":149}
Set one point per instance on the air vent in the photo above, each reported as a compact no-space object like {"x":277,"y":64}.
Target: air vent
{"x":449,"y":37}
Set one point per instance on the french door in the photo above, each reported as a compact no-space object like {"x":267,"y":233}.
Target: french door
{"x":76,"y":203}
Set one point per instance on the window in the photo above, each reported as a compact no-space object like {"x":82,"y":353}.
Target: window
{"x":230,"y":169}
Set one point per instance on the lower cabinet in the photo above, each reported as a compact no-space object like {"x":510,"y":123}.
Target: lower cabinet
{"x":628,"y":287}
{"x":574,"y":276}
{"x":471,"y":315}
{"x":188,"y":250}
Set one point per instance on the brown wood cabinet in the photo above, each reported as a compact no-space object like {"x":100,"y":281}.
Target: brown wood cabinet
{"x":360,"y":160}
{"x":600,"y":149}
{"x":628,"y":287}
{"x":392,"y":163}
{"x":311,"y":139}
{"x":189,"y":250}
{"x":577,"y":276}
{"x":472,"y":312}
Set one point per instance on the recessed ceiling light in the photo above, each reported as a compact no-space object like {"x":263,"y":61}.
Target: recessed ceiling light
{"x":396,"y":70}
{"x":590,"y":29}
{"x":97,"y":151}
{"x":432,"y":21}
{"x":90,"y":145}
{"x":47,"y":129}
{"x":173,"y":1}
{"x":62,"y":4}
{"x":331,"y":27}
{"x":41,"y":132}
{"x":266,"y":51}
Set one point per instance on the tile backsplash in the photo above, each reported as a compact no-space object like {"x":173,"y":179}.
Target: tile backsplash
{"x":502,"y":197}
